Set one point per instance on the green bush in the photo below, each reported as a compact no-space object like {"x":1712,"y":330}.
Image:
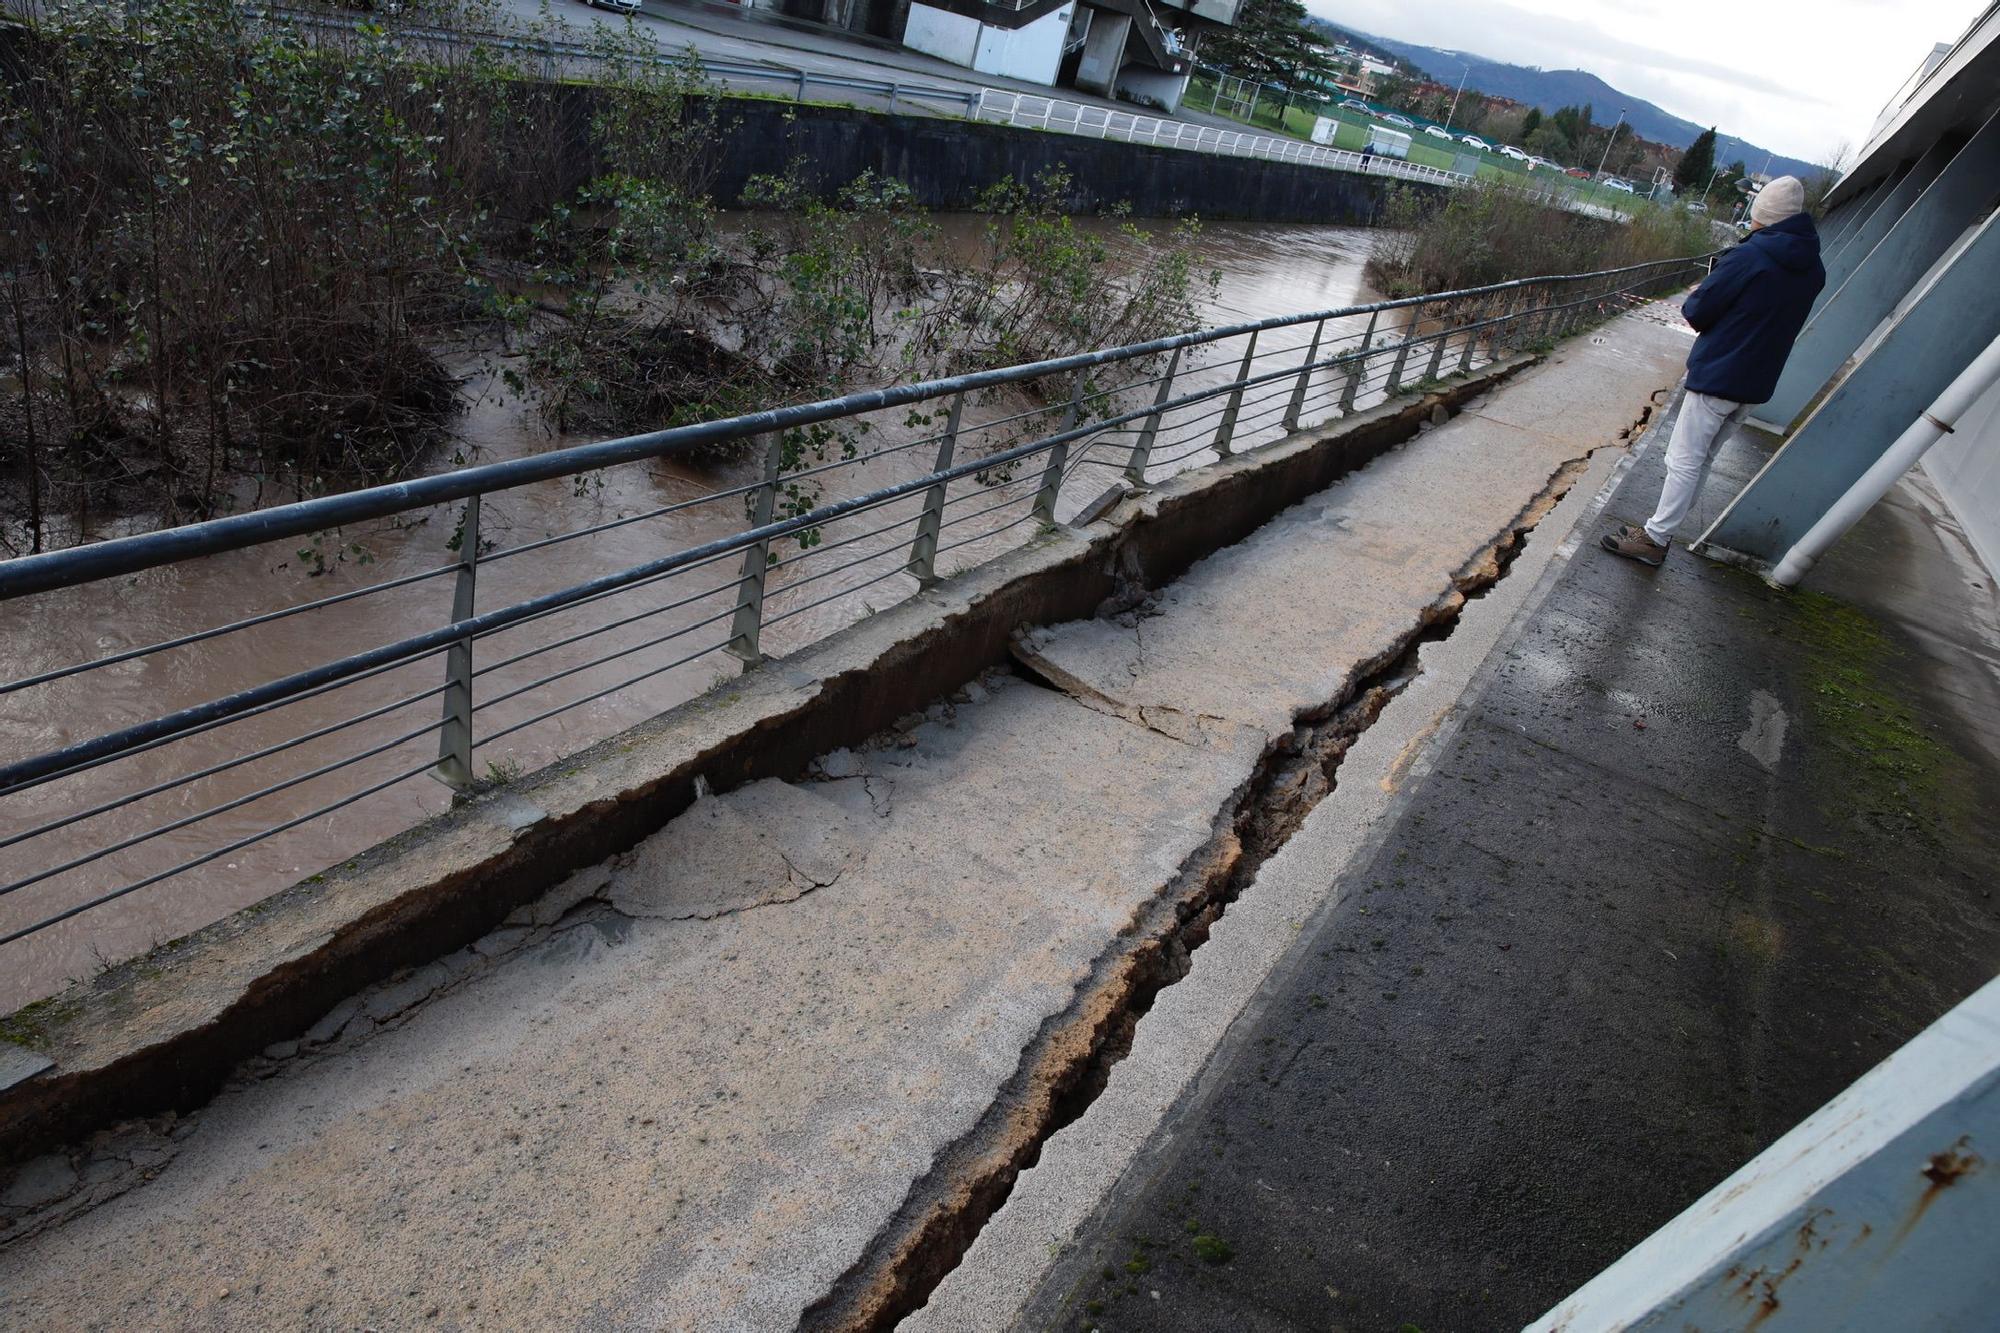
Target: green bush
{"x":1493,"y":232}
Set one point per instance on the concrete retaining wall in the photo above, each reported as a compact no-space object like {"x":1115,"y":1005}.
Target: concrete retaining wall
{"x":950,"y":163}
{"x":163,"y":1032}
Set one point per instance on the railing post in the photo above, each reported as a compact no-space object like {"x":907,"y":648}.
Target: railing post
{"x":1135,"y":466}
{"x":1465,"y":356}
{"x":746,"y":629}
{"x":454,"y":765}
{"x":1305,"y":373}
{"x":1052,"y":473}
{"x":923,"y":551}
{"x":1226,"y":429}
{"x":1403,"y":352}
{"x":802,"y":87}
{"x":1516,"y":317}
{"x":1437,"y":352}
{"x":1358,"y":367}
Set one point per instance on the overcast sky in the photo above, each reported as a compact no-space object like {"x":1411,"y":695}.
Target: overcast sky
{"x":1799,"y":76}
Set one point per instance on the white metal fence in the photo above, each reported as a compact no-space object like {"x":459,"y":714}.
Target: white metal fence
{"x":1097,"y":122}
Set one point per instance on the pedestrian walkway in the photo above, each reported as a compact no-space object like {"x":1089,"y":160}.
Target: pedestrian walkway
{"x":1693,"y":855}
{"x":707,"y":1083}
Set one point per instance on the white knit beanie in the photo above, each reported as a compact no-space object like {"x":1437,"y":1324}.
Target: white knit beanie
{"x":1781,"y":199}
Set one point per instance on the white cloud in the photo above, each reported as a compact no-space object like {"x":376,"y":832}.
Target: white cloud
{"x":1801,"y":78}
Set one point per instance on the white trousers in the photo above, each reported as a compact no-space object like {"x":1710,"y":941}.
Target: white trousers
{"x":1700,"y":428}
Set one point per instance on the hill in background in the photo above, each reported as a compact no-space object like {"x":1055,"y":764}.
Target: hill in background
{"x":1552,"y":88}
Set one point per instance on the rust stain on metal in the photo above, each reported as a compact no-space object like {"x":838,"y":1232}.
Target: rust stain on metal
{"x":1760,"y":1291}
{"x":1942,"y":1170}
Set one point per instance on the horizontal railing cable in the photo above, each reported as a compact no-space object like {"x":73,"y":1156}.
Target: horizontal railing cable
{"x":1199,"y":394}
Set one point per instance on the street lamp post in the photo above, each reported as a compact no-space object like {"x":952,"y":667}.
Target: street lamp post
{"x":1607,"y":146}
{"x":1455,"y":96}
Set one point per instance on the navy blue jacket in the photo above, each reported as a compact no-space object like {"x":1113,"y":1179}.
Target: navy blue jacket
{"x":1750,"y":308}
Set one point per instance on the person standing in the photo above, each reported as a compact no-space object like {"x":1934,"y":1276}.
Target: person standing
{"x":1748,"y":311}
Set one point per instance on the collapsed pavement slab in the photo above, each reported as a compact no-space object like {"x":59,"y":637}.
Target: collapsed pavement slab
{"x":694,"y":1099}
{"x":1275,"y":627}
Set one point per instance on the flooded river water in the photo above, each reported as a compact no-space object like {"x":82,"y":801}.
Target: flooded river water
{"x":221,"y":861}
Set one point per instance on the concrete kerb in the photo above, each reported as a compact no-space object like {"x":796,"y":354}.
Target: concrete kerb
{"x":1026,"y":1247}
{"x":163,"y":1032}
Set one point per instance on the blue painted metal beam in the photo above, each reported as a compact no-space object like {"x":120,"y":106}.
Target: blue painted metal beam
{"x":1871,"y":202}
{"x":1877,"y":1212}
{"x":1963,"y":192}
{"x":1835,"y":226}
{"x":1925,"y":350}
{"x":1842,"y":262}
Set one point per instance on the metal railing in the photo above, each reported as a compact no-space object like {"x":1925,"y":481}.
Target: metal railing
{"x":1096,"y":122}
{"x":179,"y":741}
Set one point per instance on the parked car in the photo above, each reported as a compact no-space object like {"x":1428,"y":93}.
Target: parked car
{"x":1400,"y":122}
{"x":1534,"y":162}
{"x":1349,"y":104}
{"x":617,"y":6}
{"x":1474,"y":141}
{"x":1509,"y":150}
{"x":1438,"y":132}
{"x":1577,"y":172}
{"x":1613,"y":183}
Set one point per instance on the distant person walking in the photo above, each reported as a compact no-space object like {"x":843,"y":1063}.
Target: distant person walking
{"x":1748,"y":311}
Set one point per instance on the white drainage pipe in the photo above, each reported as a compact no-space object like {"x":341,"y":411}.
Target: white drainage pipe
{"x":1929,"y":427}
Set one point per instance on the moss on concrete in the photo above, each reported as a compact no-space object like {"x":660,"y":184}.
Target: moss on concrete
{"x":1854,"y":690}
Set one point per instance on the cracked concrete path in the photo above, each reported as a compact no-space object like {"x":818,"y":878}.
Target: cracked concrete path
{"x":693,"y":1103}
{"x":1283,"y":623}
{"x":691,"y":1087}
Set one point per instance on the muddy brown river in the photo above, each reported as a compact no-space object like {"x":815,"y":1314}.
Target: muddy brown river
{"x":669,"y":642}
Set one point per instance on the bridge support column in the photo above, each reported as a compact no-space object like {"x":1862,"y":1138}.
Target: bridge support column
{"x":1914,"y":362}
{"x":1961,"y":191}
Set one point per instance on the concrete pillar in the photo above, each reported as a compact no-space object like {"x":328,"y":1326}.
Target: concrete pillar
{"x":1103,"y":52}
{"x":1963,"y":191}
{"x":1924,"y":351}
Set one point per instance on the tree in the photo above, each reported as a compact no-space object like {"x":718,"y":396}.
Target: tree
{"x":1574,"y":122}
{"x":1550,"y":142}
{"x":1531,"y":122}
{"x":1697,"y":164}
{"x":1271,"y":43}
{"x":1504,"y":126}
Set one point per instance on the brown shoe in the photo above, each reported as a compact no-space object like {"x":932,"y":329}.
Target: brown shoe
{"x":1634,"y":544}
